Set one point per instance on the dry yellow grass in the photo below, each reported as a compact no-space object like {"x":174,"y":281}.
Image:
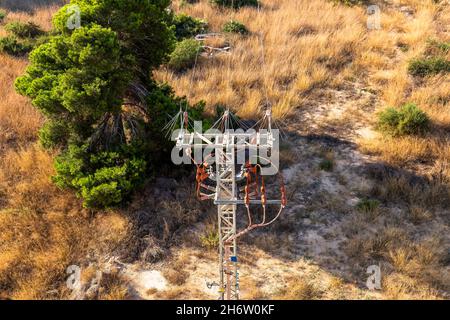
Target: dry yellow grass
{"x":43,"y":230}
{"x":114,"y":287}
{"x":314,"y":44}
{"x":19,"y":121}
{"x":409,"y":149}
{"x":307,"y":45}
{"x":19,"y":126}
{"x":299,"y":289}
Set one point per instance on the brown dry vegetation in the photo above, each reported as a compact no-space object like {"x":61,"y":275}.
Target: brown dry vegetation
{"x":308,"y":46}
{"x":43,"y":230}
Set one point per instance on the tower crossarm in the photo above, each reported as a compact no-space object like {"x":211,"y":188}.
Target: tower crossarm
{"x":225,"y":140}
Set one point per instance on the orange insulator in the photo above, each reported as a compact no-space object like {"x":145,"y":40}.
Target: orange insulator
{"x":201,"y":176}
{"x":283,"y":192}
{"x":247,"y":196}
{"x":263,"y":192}
{"x":283,"y":196}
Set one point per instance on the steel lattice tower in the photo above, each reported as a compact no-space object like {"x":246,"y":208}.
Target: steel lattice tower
{"x":226,"y":145}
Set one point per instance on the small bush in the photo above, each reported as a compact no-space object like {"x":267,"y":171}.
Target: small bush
{"x":184,"y":55}
{"x":2,"y":15}
{"x":439,"y":46}
{"x":368,"y":205}
{"x":24,"y":30}
{"x":12,"y":46}
{"x":235,"y":27}
{"x":428,"y":66}
{"x":409,"y":119}
{"x":236,"y":3}
{"x":210,"y":239}
{"x":326,"y":165}
{"x":187,"y":26}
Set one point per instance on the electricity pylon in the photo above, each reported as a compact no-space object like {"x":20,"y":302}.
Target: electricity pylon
{"x":223,"y":167}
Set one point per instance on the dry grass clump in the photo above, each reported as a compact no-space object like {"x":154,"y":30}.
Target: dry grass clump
{"x":251,"y":289}
{"x":175,"y":277}
{"x":177,"y":269}
{"x":299,"y":289}
{"x":401,"y":287}
{"x":419,"y":270}
{"x":417,"y":258}
{"x":177,"y":273}
{"x":419,"y":214}
{"x":419,"y":263}
{"x":19,"y":121}
{"x":372,"y":246}
{"x":408,"y":150}
{"x":171,"y":294}
{"x":430,"y":192}
{"x":113,"y":287}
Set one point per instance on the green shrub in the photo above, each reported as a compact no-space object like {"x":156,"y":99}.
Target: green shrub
{"x":326,"y":165}
{"x":236,"y":3}
{"x":368,"y":205}
{"x":185,"y":54}
{"x":440,"y":46}
{"x":443,"y":46}
{"x":235,"y":27}
{"x":12,"y":46}
{"x":428,"y":66}
{"x":408,"y":119}
{"x":2,"y":15}
{"x":102,"y":179}
{"x":210,"y":239}
{"x":187,"y":26}
{"x":24,"y":30}
{"x":434,"y":60}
